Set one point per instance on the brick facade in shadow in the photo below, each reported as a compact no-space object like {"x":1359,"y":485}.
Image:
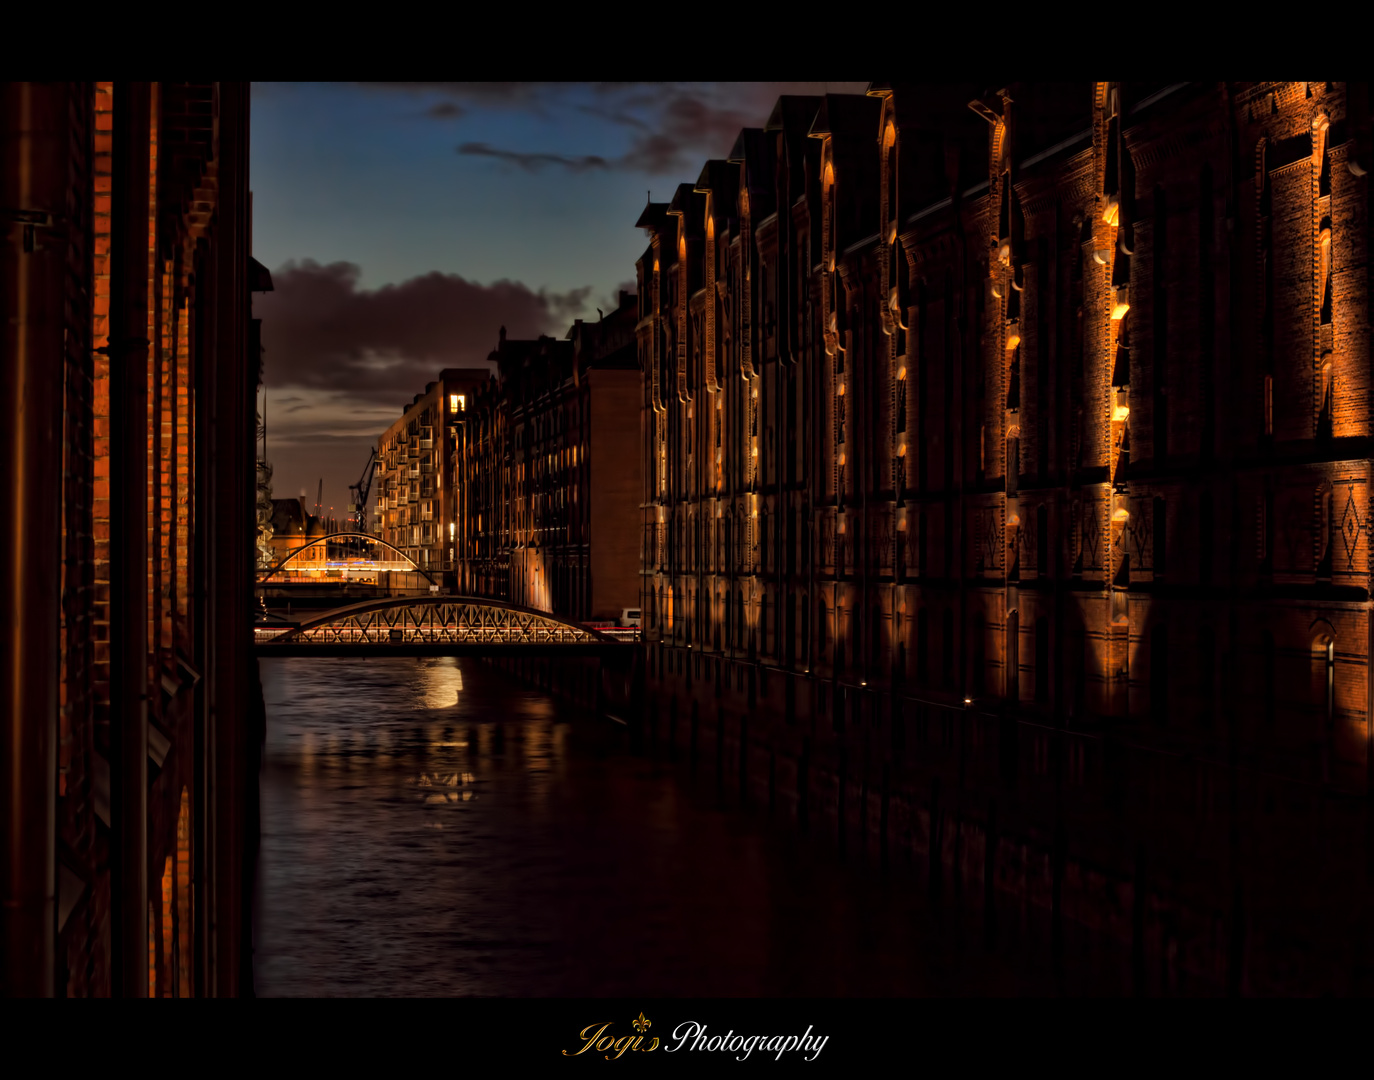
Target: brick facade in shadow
{"x":133,"y":363}
{"x":1006,"y":502}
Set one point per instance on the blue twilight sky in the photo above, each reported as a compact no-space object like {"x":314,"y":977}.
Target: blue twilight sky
{"x":405,"y":223}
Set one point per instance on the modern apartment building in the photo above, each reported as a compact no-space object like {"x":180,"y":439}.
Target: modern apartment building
{"x":415,"y":501}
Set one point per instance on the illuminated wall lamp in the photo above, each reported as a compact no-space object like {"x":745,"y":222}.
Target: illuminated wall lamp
{"x":1121,"y":303}
{"x":1120,"y":413}
{"x":1013,"y":340}
{"x":1111,"y":213}
{"x":1120,"y":514}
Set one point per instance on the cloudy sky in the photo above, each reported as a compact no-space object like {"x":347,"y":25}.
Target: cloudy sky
{"x":405,"y":223}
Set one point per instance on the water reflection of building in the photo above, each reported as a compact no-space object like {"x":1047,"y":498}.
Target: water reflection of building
{"x":1055,"y":399}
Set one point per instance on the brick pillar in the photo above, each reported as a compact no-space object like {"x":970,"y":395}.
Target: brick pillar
{"x":32,"y":182}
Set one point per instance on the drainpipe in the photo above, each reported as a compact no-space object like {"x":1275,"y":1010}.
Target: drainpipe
{"x":128,"y":352}
{"x":32,"y":192}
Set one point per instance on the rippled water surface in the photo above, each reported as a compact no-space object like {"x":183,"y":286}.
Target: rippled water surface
{"x":430,"y":827}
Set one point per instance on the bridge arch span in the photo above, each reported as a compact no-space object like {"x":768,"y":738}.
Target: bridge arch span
{"x":281,"y":563}
{"x":439,"y":619}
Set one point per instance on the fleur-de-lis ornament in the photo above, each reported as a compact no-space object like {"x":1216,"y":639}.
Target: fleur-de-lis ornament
{"x":642,"y":1024}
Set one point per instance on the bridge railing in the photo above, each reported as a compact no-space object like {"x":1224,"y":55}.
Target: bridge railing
{"x":620,"y":633}
{"x":353,"y":634}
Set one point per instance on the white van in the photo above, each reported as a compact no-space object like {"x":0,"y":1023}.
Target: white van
{"x":629,"y":616}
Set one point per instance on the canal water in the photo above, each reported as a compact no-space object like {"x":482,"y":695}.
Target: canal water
{"x":431,"y":827}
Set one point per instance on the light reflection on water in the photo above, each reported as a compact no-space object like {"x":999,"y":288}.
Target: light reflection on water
{"x":432,"y":828}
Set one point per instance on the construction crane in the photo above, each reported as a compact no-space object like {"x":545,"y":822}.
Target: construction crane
{"x":357,"y":506}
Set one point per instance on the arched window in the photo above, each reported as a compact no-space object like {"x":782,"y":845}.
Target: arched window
{"x":1042,"y":540}
{"x":1205,"y":539}
{"x":979,"y":656}
{"x":947,"y":657}
{"x":1324,"y":526}
{"x":1207,"y":674}
{"x":1325,"y":417}
{"x":1160,"y":275}
{"x":167,"y":973}
{"x":922,"y":646}
{"x":1324,"y":683}
{"x":1268,"y":679}
{"x":1012,"y":678}
{"x":183,"y":896}
{"x":1159,"y":672}
{"x":1042,"y":660}
{"x":890,"y":147}
{"x":875,"y":645}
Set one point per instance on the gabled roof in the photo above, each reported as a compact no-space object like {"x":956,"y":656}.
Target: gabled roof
{"x":654,"y":216}
{"x":846,"y":114}
{"x":793,"y":113}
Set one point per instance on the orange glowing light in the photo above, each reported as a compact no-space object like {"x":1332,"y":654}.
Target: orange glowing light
{"x":1121,"y":304}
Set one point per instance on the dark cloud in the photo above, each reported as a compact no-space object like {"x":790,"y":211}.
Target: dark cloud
{"x":534,"y":162}
{"x":674,"y":126}
{"x":380,"y":346}
{"x":446,"y":110}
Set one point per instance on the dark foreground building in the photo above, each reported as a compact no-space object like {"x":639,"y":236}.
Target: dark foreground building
{"x":1007,"y":465}
{"x":132,"y":711}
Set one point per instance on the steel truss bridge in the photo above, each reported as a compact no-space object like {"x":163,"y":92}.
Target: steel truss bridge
{"x":435,"y":626}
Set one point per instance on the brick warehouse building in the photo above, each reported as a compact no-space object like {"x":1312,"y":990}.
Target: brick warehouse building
{"x":132,"y":714}
{"x":546,"y":470}
{"x":1006,"y":502}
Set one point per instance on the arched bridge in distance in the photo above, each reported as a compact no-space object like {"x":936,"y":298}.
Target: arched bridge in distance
{"x":402,"y":563}
{"x":436,"y":625}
